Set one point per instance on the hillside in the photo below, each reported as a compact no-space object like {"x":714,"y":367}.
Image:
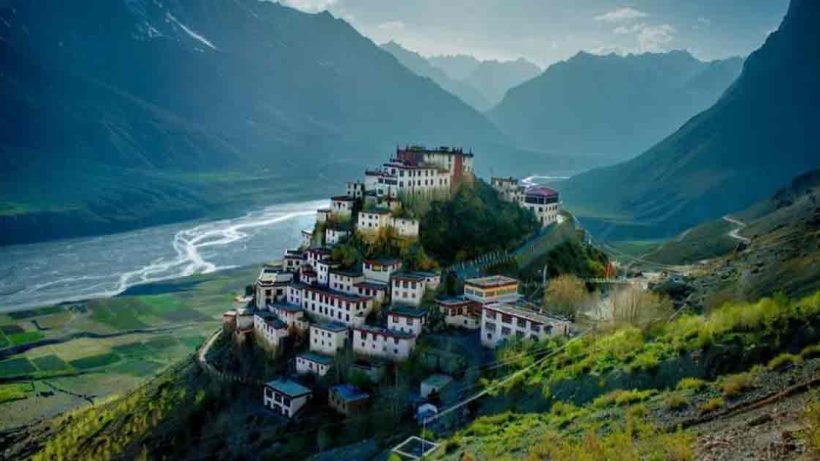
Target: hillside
{"x":611,"y":106}
{"x":791,"y":211}
{"x":128,"y":113}
{"x":420,"y":66}
{"x":754,"y":139}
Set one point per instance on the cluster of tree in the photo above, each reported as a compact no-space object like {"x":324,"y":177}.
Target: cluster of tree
{"x":473,"y":222}
{"x":569,"y":296}
{"x":569,"y":257}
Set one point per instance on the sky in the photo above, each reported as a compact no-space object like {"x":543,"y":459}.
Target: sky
{"x":546,"y":31}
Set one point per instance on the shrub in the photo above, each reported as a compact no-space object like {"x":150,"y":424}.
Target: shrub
{"x":694,"y":384}
{"x":810,"y":352}
{"x":622,"y":397}
{"x":784,"y":361}
{"x":712,"y":405}
{"x":732,"y":385}
{"x":676,"y":401}
{"x":811,"y":427}
{"x":633,"y":440}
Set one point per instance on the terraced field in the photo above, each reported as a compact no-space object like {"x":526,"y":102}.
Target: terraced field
{"x":57,"y":358}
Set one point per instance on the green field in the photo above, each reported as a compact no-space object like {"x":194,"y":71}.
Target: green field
{"x":50,"y":363}
{"x":172,"y":318}
{"x":95,"y":361}
{"x":16,"y":367}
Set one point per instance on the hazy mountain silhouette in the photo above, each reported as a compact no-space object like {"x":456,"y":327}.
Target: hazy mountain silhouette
{"x":761,"y":133}
{"x":420,"y":66}
{"x":124,"y":113}
{"x":611,"y":106}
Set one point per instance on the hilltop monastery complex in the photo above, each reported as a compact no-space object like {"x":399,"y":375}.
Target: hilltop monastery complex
{"x":377,"y":311}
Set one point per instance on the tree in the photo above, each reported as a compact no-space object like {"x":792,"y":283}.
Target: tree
{"x":566,"y":295}
{"x":635,"y":306}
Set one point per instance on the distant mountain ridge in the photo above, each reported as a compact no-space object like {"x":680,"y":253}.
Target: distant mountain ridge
{"x":759,"y":135}
{"x":127,"y":113}
{"x":481,"y":84}
{"x":422,"y":67}
{"x":611,"y":106}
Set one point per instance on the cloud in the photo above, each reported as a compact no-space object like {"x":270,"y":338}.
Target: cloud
{"x":621,"y":15}
{"x":391,"y":25}
{"x":655,"y":38}
{"x":633,"y":29}
{"x":309,"y":6}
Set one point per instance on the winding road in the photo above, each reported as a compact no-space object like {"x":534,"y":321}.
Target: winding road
{"x":734,"y":233}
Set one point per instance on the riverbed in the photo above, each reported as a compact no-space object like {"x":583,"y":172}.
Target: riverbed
{"x":102,"y":266}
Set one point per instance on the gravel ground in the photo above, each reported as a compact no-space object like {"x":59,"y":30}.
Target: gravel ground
{"x":770,"y":433}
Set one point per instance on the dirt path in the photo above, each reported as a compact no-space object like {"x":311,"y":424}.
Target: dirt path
{"x":734,"y":233}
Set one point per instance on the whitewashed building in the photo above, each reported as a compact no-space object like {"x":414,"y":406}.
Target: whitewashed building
{"x":383,"y":343}
{"x":323,"y":268}
{"x":406,"y":319}
{"x":492,"y":288}
{"x":330,"y":305}
{"x":345,"y":280}
{"x":409,"y":287}
{"x":314,"y":255}
{"x":372,"y":221}
{"x":328,"y":338}
{"x":334,"y":235}
{"x":541,"y":200}
{"x":376,"y":290}
{"x":460,"y":312}
{"x":292,"y":314}
{"x":380,"y":270}
{"x":293,"y":260}
{"x":500,"y":321}
{"x":341,"y":207}
{"x":285,"y":397}
{"x":269,"y":330}
{"x":307,"y":238}
{"x":322,"y":215}
{"x":271,"y":285}
{"x":313,"y":364}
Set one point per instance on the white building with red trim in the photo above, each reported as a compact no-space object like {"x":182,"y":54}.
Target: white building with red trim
{"x":500,"y":321}
{"x":383,"y":343}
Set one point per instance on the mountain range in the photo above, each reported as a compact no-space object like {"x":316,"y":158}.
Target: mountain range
{"x":128,"y":113}
{"x":609,"y":106}
{"x":756,"y":137}
{"x":481,"y":84}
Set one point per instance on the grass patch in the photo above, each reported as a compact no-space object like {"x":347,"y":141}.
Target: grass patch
{"x":50,"y":363}
{"x":135,"y":349}
{"x":676,"y":402}
{"x":3,"y":341}
{"x":810,"y":352}
{"x":15,"y":391}
{"x":192,"y":342}
{"x":811,"y":427}
{"x":630,"y":441}
{"x":694,"y":384}
{"x":784,"y":361}
{"x":138,"y":367}
{"x":26,"y":337}
{"x":16,"y":367}
{"x":712,"y":405}
{"x":621,"y":397}
{"x":95,"y":361}
{"x":161,"y":342}
{"x":120,"y":318}
{"x":27,"y":314}
{"x":11,"y":329}
{"x":733,"y":385}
